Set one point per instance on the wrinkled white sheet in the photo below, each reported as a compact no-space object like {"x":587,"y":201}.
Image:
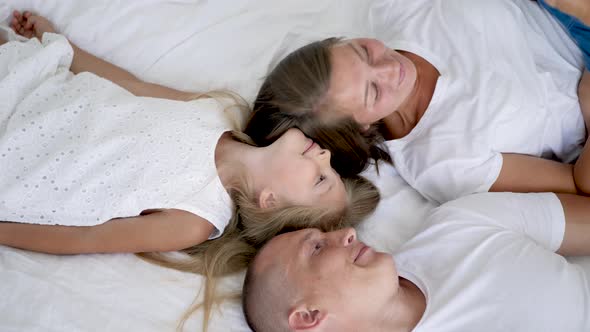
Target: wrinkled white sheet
{"x":194,"y":45}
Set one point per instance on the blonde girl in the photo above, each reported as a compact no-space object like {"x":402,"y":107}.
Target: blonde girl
{"x":116,"y":164}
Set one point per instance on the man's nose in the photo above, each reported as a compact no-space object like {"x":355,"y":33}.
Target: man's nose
{"x":346,"y":236}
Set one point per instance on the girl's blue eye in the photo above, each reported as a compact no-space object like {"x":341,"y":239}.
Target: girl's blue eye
{"x":321,"y":179}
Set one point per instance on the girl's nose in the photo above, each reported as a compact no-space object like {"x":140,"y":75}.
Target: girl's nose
{"x":324,"y":154}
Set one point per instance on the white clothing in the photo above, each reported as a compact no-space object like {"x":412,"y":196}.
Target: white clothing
{"x":508,"y":84}
{"x":487,"y":262}
{"x":80,"y":150}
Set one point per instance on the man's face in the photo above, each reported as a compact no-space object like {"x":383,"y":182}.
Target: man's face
{"x":334,"y":273}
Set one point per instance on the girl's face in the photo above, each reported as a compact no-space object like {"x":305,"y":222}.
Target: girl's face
{"x":297,"y":171}
{"x":369,"y":81}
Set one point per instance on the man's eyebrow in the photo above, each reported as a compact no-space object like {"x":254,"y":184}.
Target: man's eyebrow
{"x":302,"y":244}
{"x":306,"y":237}
{"x":362,"y":57}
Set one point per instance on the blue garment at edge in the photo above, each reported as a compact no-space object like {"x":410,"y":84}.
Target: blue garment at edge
{"x":579,"y":32}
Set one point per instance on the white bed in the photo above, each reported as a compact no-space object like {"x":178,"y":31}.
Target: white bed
{"x":193,"y":45}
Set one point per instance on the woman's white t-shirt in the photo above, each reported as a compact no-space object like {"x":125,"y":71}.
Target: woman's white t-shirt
{"x":80,"y":150}
{"x":508,"y":84}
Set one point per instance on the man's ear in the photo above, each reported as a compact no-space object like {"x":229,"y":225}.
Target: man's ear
{"x":302,"y":318}
{"x":267,"y":199}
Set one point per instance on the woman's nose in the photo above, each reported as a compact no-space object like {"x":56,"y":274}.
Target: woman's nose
{"x":386,"y":71}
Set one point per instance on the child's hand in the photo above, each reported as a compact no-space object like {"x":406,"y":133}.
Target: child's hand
{"x":29,"y":25}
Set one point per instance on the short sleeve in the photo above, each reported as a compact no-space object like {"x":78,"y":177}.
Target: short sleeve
{"x":208,"y":198}
{"x":213,"y":204}
{"x":446,"y":170}
{"x":538,"y":216}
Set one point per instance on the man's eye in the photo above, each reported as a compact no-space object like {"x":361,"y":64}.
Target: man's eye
{"x":318,"y":247}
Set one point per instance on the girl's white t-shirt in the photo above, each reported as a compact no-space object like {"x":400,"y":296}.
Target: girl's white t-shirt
{"x":508,"y":84}
{"x":80,"y":150}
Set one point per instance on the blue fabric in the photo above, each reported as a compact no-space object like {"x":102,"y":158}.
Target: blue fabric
{"x":579,"y":32}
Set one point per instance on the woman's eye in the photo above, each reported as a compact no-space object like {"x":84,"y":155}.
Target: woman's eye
{"x":366,"y":50}
{"x":376,"y":88}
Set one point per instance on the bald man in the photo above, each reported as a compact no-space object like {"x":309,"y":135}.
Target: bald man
{"x":486,"y":262}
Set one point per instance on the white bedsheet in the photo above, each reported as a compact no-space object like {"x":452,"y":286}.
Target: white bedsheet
{"x":194,"y":45}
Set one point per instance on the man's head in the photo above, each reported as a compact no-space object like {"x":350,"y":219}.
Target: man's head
{"x":313,"y":281}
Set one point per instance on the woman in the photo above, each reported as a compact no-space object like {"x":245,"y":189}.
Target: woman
{"x":474,"y":96}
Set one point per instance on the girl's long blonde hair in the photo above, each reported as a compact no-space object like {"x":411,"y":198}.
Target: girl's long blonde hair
{"x":251,"y":226}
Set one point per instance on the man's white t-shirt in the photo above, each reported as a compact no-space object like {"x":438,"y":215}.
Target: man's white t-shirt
{"x":487,"y":262}
{"x":508,"y":84}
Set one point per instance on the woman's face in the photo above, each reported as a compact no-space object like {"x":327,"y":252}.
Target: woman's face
{"x":369,"y":81}
{"x":297,"y":171}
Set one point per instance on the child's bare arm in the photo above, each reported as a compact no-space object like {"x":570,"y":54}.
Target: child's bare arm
{"x":29,"y":25}
{"x":162,"y":230}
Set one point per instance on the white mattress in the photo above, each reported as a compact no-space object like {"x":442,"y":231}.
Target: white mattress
{"x":193,"y":45}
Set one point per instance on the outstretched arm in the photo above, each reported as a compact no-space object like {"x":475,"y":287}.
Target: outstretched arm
{"x":162,"y":230}
{"x":29,"y":25}
{"x":576,"y":241}
{"x":523,"y":173}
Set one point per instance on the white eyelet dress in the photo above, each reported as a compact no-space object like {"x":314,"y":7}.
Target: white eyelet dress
{"x":80,"y":150}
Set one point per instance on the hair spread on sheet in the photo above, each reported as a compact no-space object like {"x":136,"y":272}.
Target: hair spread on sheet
{"x":236,"y":108}
{"x":294,"y":94}
{"x":252,"y":226}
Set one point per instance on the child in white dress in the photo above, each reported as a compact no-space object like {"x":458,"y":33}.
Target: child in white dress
{"x":94,"y":160}
{"x":140,"y":166}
